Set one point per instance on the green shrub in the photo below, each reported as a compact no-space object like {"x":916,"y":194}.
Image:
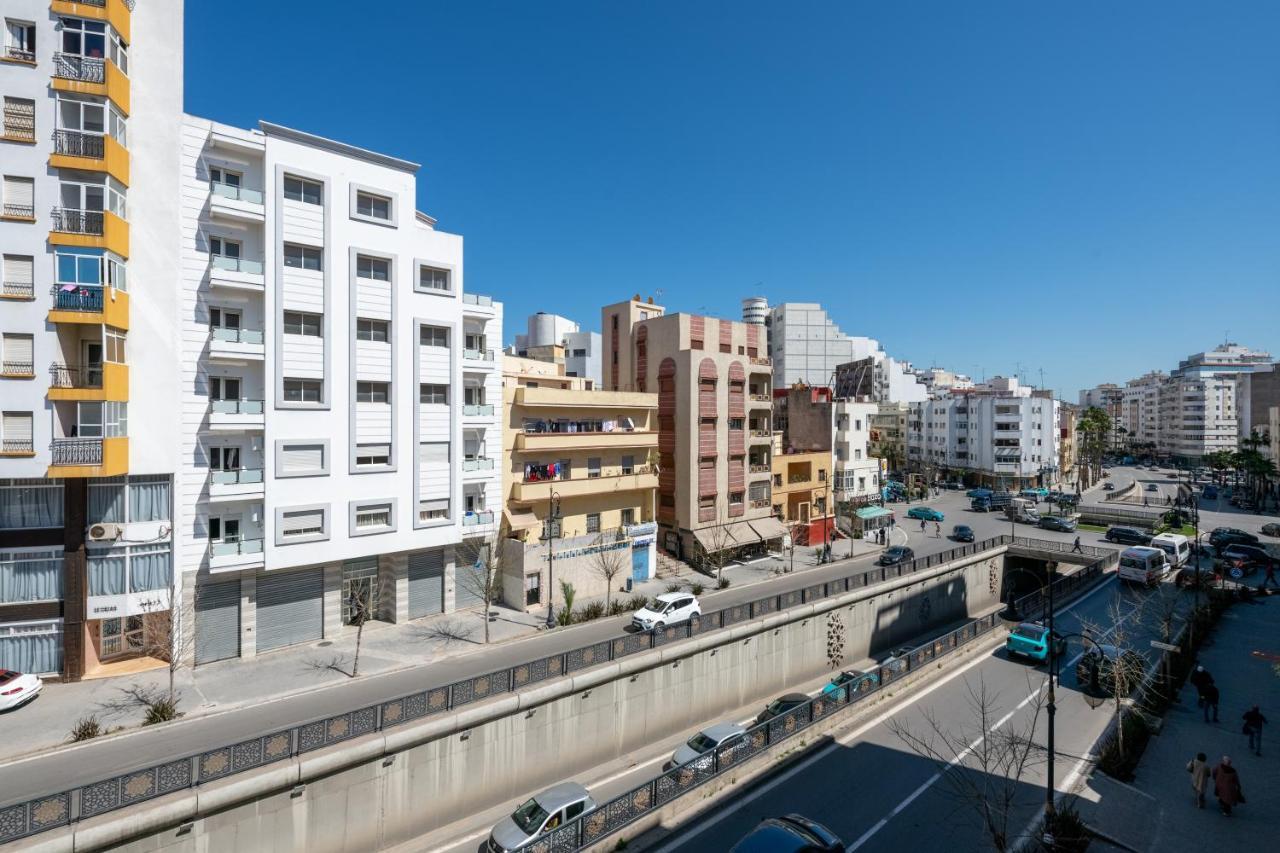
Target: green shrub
{"x":697,"y":589}
{"x":724,"y":584}
{"x":594,"y":610}
{"x":674,"y":586}
{"x":617,"y":607}
{"x":86,"y":728}
{"x":637,"y":601}
{"x":1070,"y":835}
{"x":161,"y":711}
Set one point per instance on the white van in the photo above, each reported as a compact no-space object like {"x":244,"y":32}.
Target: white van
{"x":1175,"y":546}
{"x":1143,"y":565}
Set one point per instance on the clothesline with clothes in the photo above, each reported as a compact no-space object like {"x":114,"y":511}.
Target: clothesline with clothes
{"x":564,"y":425}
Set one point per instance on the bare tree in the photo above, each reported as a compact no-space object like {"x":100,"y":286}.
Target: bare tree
{"x":482,"y":578}
{"x":609,"y":561}
{"x":983,"y":759}
{"x":1120,"y":669}
{"x":718,"y":551}
{"x":358,"y":600}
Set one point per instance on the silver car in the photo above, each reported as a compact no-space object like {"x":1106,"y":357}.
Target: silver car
{"x":708,"y":740}
{"x":542,"y":813}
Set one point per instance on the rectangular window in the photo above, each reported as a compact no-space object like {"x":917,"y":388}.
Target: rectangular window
{"x":302,"y":390}
{"x":373,"y":206}
{"x":30,"y":576}
{"x":303,"y":257}
{"x":28,"y":504}
{"x":20,"y":119}
{"x":628,"y":517}
{"x":433,"y":336}
{"x":18,"y":355}
{"x":20,"y":40}
{"x":300,"y":189}
{"x":372,"y":330}
{"x":373,"y":392}
{"x":593,"y":522}
{"x":369,"y":455}
{"x":433,"y":278}
{"x":377,"y":269}
{"x":297,"y":459}
{"x":226,"y":177}
{"x":17,"y":277}
{"x":114,"y":351}
{"x":303,"y":522}
{"x":18,"y":196}
{"x":302,"y":323}
{"x":593,"y":467}
{"x":373,"y":517}
{"x":221,"y":247}
{"x":434,"y":395}
{"x":628,"y":465}
{"x":433,"y":510}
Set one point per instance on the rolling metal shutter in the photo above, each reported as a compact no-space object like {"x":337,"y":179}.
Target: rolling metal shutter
{"x":468,"y":583}
{"x":217,"y":621}
{"x":17,"y":426}
{"x":302,"y":458}
{"x":426,"y":583}
{"x":290,"y":608}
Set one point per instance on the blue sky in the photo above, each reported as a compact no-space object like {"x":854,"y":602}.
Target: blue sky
{"x":1089,"y":188}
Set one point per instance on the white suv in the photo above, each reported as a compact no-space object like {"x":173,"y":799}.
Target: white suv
{"x":666,"y":609}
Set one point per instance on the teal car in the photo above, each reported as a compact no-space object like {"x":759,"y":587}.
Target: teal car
{"x":1031,"y":640}
{"x":852,"y":680}
{"x":926,"y":513}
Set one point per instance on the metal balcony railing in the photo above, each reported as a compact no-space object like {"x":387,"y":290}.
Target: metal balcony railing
{"x":74,"y":376}
{"x":19,"y":55}
{"x":236,"y":477}
{"x":24,"y":211}
{"x":18,"y":445}
{"x":235,"y":193}
{"x":76,"y":451}
{"x":236,"y":407}
{"x":86,"y":69}
{"x":18,"y":289}
{"x":77,"y":297}
{"x":71,"y":221}
{"x":236,"y":336}
{"x":76,"y":143}
{"x":17,"y":368}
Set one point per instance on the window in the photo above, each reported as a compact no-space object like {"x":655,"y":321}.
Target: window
{"x":378,"y":269}
{"x":628,"y":517}
{"x":532,"y":590}
{"x":593,"y":522}
{"x":434,"y":395}
{"x":301,"y":459}
{"x":359,"y":590}
{"x":593,"y":467}
{"x":433,"y":510}
{"x":18,"y":196}
{"x":224,"y":458}
{"x":114,"y":351}
{"x":17,"y":277}
{"x":20,"y":119}
{"x":224,"y":388}
{"x":221,"y":247}
{"x":433,"y":278}
{"x":226,"y":177}
{"x":373,"y":392}
{"x":628,"y":465}
{"x":302,"y":522}
{"x":18,"y":356}
{"x":222,"y":529}
{"x":373,"y":206}
{"x":20,"y":40}
{"x":28,"y":504}
{"x":301,"y":323}
{"x":300,"y":189}
{"x":303,"y":257}
{"x":302,"y":390}
{"x":372,"y":330}
{"x":433,"y":336}
{"x":30,"y":576}
{"x":368,"y":455}
{"x":373,"y":517}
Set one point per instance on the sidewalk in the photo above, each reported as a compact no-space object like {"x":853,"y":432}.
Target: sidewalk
{"x":1157,"y":811}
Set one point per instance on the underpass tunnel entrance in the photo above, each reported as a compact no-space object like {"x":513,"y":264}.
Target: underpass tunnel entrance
{"x":1022,"y":575}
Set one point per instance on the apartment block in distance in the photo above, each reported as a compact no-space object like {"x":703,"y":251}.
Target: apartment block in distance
{"x":89,"y":440}
{"x":709,"y":498}
{"x":341,"y":394}
{"x":802,"y":455}
{"x":581,"y":484}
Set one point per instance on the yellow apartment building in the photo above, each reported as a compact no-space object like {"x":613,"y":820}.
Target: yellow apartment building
{"x":801,"y":492}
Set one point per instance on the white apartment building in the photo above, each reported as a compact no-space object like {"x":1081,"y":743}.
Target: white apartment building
{"x":547,"y":334}
{"x":89,"y":430}
{"x":856,"y":474}
{"x":998,"y":434}
{"x":341,"y":393}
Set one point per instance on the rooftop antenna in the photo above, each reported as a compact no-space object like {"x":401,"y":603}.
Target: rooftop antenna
{"x":1042,"y":379}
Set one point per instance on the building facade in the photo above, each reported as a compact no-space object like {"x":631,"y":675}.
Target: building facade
{"x":888,"y":438}
{"x":857,"y":474}
{"x":585,"y":460}
{"x":89,"y":434}
{"x":552,"y":337}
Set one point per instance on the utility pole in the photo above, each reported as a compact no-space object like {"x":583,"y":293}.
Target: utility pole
{"x":550,"y":528}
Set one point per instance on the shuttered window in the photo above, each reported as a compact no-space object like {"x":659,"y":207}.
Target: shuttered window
{"x":373,"y":454}
{"x":434,"y":451}
{"x":17,"y":427}
{"x":18,"y":352}
{"x":18,"y":269}
{"x":302,"y":458}
{"x":19,"y":196}
{"x":302,"y":522}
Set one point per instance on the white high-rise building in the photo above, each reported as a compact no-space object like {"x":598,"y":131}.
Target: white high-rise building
{"x":855,"y":472}
{"x":341,"y":393}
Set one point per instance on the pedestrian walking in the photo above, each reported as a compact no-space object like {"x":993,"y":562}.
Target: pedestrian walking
{"x":937,"y":529}
{"x":1253,"y":723}
{"x":923,"y":525}
{"x":1076,"y":549}
{"x":1271,"y":575}
{"x":1210,"y":696}
{"x":1198,"y":767}
{"x":1226,"y":785}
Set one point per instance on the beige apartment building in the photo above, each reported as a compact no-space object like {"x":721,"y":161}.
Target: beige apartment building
{"x":715,"y":428}
{"x":587,"y":459}
{"x":888,"y":440}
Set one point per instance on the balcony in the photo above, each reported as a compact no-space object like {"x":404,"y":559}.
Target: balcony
{"x":236,"y":415}
{"x":238,"y":345}
{"x":760,"y":400}
{"x":237,"y":204}
{"x":760,"y":503}
{"x":242,"y":554}
{"x":478,"y":358}
{"x":476,"y":305}
{"x":18,"y":447}
{"x":236,"y":485}
{"x":760,"y":468}
{"x":761,"y":361}
{"x":89,"y":304}
{"x":547,"y":442}
{"x":606,"y":401}
{"x":641,"y":478}
{"x":17,"y":369}
{"x":477,"y":410}
{"x":89,"y":229}
{"x":90,"y":75}
{"x":108,"y":381}
{"x":477,"y":519}
{"x":89,"y":457}
{"x":236,"y":274}
{"x":19,"y":290}
{"x":91,"y":152}
{"x":478,"y":466}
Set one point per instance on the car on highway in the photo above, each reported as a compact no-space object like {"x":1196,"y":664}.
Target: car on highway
{"x":1031,"y":640}
{"x":962,"y":533}
{"x":1221,"y":537}
{"x":851,"y":680}
{"x":1108,"y":487}
{"x":895,"y":555}
{"x":1057,"y":522}
{"x":708,"y":740}
{"x":925,"y":513}
{"x":780,"y":706}
{"x":791,"y":833}
{"x":666,"y":609}
{"x":1271,"y":529}
{"x":1152,"y":487}
{"x":18,"y":688}
{"x":1096,"y":670}
{"x":541,"y":813}
{"x":1127,"y":536}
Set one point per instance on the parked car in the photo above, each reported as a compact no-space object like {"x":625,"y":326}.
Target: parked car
{"x":1127,"y":536}
{"x":1095,"y":671}
{"x":790,"y":834}
{"x":896,"y":660}
{"x":953,"y":486}
{"x":1108,"y":487}
{"x":962,"y":533}
{"x":1271,"y":529}
{"x":1147,"y":566}
{"x":851,"y":680}
{"x":1209,"y":493}
{"x":541,"y":813}
{"x":926,"y":513}
{"x":780,"y":706}
{"x":667,"y":609}
{"x":708,"y":740}
{"x":1186,"y":576}
{"x":18,"y":688}
{"x":1245,"y":557}
{"x":1031,"y":640}
{"x":1057,"y":522}
{"x":1221,"y":537}
{"x":895,"y":555}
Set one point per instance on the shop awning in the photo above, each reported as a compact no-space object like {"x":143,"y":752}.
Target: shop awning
{"x":867,"y":513}
{"x":768,"y":528}
{"x":725,"y":536}
{"x":521,"y":519}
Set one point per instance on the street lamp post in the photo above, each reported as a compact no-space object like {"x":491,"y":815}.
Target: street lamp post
{"x":551,"y":527}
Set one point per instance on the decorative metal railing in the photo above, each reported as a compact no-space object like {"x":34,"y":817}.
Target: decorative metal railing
{"x":72,"y":221}
{"x":18,"y":290}
{"x":76,"y":451}
{"x":77,"y":297}
{"x":86,"y":69}
{"x":18,"y":445}
{"x":73,"y":376}
{"x":75,"y":143}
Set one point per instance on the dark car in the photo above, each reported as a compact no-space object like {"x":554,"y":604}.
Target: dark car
{"x":895,"y":555}
{"x":1152,"y":487}
{"x":1056,"y":522}
{"x":962,"y":533}
{"x":1189,"y":574}
{"x":1127,"y":536}
{"x":1271,"y":529}
{"x":789,"y":834}
{"x":1096,"y":669}
{"x":780,"y":706}
{"x":1221,"y":537}
{"x":1239,"y":560}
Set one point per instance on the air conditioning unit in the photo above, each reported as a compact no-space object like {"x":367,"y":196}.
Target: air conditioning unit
{"x":105,"y":532}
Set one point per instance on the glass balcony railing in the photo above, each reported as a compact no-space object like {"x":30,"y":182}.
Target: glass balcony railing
{"x":235,"y":193}
{"x":478,"y":463}
{"x":471,"y":519}
{"x":477,"y":411}
{"x":243,"y":265}
{"x":236,"y":407}
{"x":477,"y":299}
{"x":477,"y":354}
{"x":236,"y":548}
{"x":77,"y":297}
{"x":237,"y":477}
{"x":236,"y":336}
